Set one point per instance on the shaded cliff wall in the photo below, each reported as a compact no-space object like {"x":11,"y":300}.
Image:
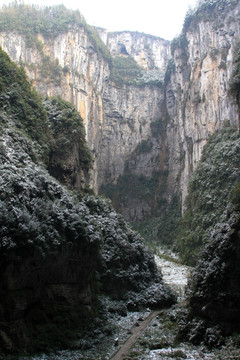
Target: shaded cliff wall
{"x":193,"y":101}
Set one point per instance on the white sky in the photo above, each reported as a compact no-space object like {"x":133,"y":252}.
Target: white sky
{"x":163,"y":18}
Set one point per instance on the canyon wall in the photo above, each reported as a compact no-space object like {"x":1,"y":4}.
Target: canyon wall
{"x":198,"y":92}
{"x":150,"y":134}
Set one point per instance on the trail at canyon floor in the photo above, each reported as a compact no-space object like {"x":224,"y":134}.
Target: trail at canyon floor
{"x":144,"y":335}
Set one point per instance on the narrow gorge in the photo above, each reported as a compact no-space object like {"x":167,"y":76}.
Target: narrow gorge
{"x":106,"y":132}
{"x":146,"y":120}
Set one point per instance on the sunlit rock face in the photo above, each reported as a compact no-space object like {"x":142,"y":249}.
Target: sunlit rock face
{"x":81,"y":80}
{"x":197,"y":94}
{"x":117,"y":118}
{"x":193,"y":101}
{"x":149,"y":51}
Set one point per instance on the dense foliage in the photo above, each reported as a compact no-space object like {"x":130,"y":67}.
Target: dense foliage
{"x":209,"y":237}
{"x":49,"y":122}
{"x":20,"y":101}
{"x":214,"y":288}
{"x":35,"y":210}
{"x":69,"y":153}
{"x":206,"y":10}
{"x":122,"y":192}
{"x":209,"y":192}
{"x":31,"y":20}
{"x":235,"y":81}
{"x":160,"y":230}
{"x":125,"y":70}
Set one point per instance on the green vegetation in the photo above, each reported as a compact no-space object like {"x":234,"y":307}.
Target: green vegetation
{"x":30,"y":20}
{"x":125,"y":70}
{"x":215,"y":282}
{"x":206,"y":11}
{"x":210,"y":192}
{"x":51,"y":70}
{"x":143,"y":188}
{"x":18,"y":99}
{"x":64,"y":121}
{"x":235,"y":81}
{"x":163,"y":229}
{"x":158,"y":126}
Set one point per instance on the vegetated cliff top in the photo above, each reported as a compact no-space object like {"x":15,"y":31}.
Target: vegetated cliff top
{"x":138,"y":34}
{"x":206,"y":10}
{"x":30,"y":20}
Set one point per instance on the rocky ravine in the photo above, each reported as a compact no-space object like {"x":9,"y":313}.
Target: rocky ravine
{"x":193,"y":101}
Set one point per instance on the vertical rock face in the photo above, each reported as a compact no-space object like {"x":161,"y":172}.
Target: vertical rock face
{"x":197,"y":94}
{"x":79,"y":75}
{"x":116,"y":118}
{"x":128,"y":114}
{"x":149,"y":51}
{"x":193,"y":101}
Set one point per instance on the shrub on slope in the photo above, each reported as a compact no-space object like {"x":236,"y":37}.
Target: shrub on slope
{"x":209,"y":192}
{"x":214,"y":287}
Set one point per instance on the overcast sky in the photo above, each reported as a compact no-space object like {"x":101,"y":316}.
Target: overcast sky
{"x":162,"y":18}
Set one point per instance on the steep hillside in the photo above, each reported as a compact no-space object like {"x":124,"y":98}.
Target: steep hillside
{"x":210,"y":192}
{"x":208,"y":238}
{"x":214,"y":297}
{"x":59,"y":249}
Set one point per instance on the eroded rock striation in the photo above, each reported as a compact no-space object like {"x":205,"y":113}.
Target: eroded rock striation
{"x":185,"y":90}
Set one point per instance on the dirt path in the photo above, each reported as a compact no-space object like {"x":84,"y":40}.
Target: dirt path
{"x":136,"y":331}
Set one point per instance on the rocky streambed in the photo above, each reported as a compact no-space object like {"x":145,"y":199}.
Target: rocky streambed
{"x":142,"y":335}
{"x":175,"y":275}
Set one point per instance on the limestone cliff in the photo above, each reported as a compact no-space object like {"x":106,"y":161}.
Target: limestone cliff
{"x":197,"y":93}
{"x":149,"y":51}
{"x":68,"y":66}
{"x":146,"y":136}
{"x":117,"y":118}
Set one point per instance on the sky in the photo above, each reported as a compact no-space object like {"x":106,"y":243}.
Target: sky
{"x":163,"y":18}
